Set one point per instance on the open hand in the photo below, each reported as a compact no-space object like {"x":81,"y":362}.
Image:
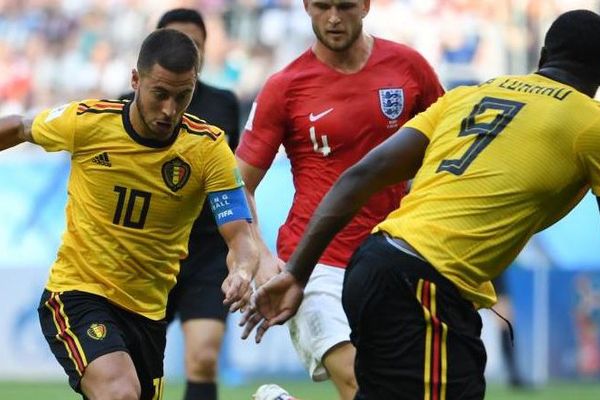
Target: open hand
{"x":273,"y":304}
{"x":237,"y":290}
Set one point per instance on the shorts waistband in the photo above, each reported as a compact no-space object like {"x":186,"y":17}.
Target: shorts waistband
{"x":404,"y":246}
{"x":421,"y":268}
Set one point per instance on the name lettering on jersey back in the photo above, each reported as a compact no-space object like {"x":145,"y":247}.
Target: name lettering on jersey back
{"x":520,"y":86}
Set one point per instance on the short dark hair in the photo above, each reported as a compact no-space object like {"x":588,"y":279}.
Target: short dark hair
{"x":185,"y":15}
{"x":169,"y":48}
{"x":573,"y":43}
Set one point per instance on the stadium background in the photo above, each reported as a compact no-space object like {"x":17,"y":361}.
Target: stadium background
{"x":53,"y":51}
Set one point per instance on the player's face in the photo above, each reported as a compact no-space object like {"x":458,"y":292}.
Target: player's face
{"x":194,"y":32}
{"x":337,"y":23}
{"x":161,"y":98}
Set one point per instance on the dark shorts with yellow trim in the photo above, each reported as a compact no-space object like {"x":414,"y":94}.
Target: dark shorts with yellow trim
{"x":198,"y":294}
{"x":415,"y":336}
{"x":80,"y":327}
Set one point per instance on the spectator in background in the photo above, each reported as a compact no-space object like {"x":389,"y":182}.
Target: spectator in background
{"x":342,"y":97}
{"x":197,"y":297}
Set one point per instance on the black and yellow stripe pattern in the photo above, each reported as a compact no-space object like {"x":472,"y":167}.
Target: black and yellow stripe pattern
{"x":197,"y":126}
{"x":65,"y":334}
{"x":436,"y":351}
{"x":102,"y":106}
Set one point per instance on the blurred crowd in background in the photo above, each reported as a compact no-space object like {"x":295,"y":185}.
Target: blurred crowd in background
{"x":53,"y":51}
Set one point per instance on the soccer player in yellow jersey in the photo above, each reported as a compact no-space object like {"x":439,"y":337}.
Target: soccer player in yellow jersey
{"x":492,"y":165}
{"x":140,"y":173}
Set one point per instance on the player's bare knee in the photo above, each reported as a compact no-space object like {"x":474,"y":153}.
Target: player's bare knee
{"x":122,"y":388}
{"x":345,"y":378}
{"x":123,"y":391}
{"x":202,"y":365}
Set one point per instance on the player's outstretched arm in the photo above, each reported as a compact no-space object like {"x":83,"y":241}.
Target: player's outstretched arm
{"x":393,"y":161}
{"x":273,"y":303}
{"x":269,"y":264}
{"x":242,"y":262}
{"x":14,"y":130}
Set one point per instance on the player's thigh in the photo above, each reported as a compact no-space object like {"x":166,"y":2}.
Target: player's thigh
{"x":82,"y":327}
{"x":79,"y":328}
{"x":339,"y":362}
{"x":320,"y":323}
{"x":415,"y":336}
{"x":111,"y":375}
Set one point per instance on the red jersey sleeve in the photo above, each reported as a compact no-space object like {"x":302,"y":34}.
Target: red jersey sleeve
{"x":266,"y":126}
{"x":431,"y":88}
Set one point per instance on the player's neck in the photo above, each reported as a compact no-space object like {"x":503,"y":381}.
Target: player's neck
{"x":349,"y":61}
{"x":564,"y":76}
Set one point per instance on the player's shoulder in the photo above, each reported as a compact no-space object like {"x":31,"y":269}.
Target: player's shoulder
{"x":200,"y":129}
{"x":100,"y":106}
{"x":285,"y":76}
{"x":391,"y":48}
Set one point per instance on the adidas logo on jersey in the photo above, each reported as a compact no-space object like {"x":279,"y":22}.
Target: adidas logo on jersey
{"x":102,"y":159}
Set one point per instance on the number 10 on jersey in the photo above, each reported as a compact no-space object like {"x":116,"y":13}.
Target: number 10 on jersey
{"x":138,"y":203}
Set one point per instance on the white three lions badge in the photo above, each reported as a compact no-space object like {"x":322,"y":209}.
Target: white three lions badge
{"x":391,"y":102}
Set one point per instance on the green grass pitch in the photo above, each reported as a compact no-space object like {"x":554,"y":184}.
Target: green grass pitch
{"x":302,"y":389}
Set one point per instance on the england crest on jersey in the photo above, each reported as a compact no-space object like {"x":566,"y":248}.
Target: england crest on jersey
{"x":391,"y":102}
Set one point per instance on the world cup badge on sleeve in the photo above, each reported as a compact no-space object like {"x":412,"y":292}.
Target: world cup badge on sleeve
{"x":176,"y":173}
{"x":391,"y":102}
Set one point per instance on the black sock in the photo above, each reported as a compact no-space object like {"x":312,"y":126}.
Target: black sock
{"x":200,"y":391}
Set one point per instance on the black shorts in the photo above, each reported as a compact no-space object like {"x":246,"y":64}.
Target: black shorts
{"x":198,"y":293}
{"x":80,"y":327}
{"x":415,"y":336}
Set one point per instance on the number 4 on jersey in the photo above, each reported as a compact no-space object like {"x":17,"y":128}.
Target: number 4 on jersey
{"x":485,"y":131}
{"x":325,"y":149}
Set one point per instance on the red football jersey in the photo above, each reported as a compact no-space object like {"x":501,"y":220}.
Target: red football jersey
{"x":327,"y":121}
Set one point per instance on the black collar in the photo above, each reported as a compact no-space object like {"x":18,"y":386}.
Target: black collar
{"x":155,"y":143}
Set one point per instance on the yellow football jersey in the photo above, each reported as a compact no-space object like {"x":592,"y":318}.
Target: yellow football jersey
{"x":506,"y":159}
{"x":131,"y":200}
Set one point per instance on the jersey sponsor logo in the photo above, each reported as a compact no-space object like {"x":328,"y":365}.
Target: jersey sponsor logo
{"x":176,"y":173}
{"x":391,"y":102}
{"x":312,"y":117}
{"x":56,"y":112}
{"x":97,"y":331}
{"x":102,"y":159}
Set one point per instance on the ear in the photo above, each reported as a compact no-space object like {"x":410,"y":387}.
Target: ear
{"x":135,"y":79}
{"x":366,"y":7}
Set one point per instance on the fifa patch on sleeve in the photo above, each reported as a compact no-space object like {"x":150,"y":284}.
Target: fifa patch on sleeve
{"x":229,"y":205}
{"x":56,"y":112}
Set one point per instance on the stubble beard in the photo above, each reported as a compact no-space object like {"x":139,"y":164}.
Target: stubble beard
{"x":141,"y":110}
{"x":337,"y":48}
